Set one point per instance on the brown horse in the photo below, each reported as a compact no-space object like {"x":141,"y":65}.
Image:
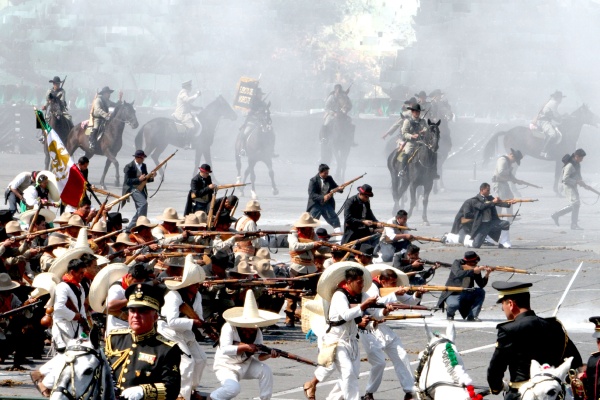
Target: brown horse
{"x":61,"y":125}
{"x":111,"y":141}
{"x":524,"y":139}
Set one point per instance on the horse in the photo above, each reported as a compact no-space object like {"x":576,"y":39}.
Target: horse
{"x":445,"y":114}
{"x":420,"y":171}
{"x":530,"y":142}
{"x":84,"y":374}
{"x":547,"y":383}
{"x":158,"y":133}
{"x":337,"y":143}
{"x":441,"y":372}
{"x":61,"y":125}
{"x":260,"y":140}
{"x":111,"y":141}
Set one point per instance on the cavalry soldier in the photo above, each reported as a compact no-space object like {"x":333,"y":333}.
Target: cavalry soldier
{"x":358,"y":217}
{"x":405,"y":114}
{"x":258,"y":114}
{"x":100,"y":114}
{"x":422,"y":100}
{"x":504,"y":174}
{"x":135,"y":173}
{"x":337,"y":105}
{"x":525,"y":337}
{"x":548,"y":118}
{"x":58,"y":96}
{"x":412,"y":129}
{"x":395,"y":240}
{"x":320,"y":201}
{"x":145,"y":365}
{"x":183,"y":111}
{"x":571,"y":178}
{"x":591,"y":377}
{"x":201,"y":191}
{"x":244,"y":249}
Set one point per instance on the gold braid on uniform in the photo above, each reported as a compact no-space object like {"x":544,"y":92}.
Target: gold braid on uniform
{"x":154,"y":391}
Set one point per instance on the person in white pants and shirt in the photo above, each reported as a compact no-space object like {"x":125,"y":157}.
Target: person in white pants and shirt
{"x":236,"y":357}
{"x":178,"y":325}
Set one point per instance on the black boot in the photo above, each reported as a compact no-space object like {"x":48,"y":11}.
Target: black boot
{"x":93,"y":139}
{"x":544,"y":152}
{"x":575,"y":218}
{"x":560,"y":213}
{"x":403,"y":162}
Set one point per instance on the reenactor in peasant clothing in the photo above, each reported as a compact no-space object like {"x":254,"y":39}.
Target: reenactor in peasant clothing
{"x":100,"y":113}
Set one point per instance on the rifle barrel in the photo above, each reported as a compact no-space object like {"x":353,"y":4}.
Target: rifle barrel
{"x":287,"y":355}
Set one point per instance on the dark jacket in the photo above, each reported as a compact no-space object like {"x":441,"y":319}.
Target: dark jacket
{"x":355,"y":211}
{"x":591,"y":381}
{"x":529,"y":337}
{"x":465,"y":278}
{"x":130,"y":179}
{"x":314,"y":191}
{"x":198,"y":186}
{"x":474,"y":209}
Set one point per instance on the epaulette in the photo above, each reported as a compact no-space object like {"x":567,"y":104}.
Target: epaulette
{"x":166,"y":341}
{"x":119,"y":332}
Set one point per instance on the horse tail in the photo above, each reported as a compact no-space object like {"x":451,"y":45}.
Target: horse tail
{"x":139,"y":139}
{"x":491,"y":147}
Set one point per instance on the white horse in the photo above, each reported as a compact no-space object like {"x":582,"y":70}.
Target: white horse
{"x":441,"y":373}
{"x":547,"y":383}
{"x":83,"y":374}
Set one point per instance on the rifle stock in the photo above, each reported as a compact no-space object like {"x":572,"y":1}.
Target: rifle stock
{"x":205,"y":328}
{"x":142,"y":184}
{"x":591,"y":189}
{"x":346,"y":184}
{"x":427,"y":239}
{"x":285,"y":354}
{"x":512,"y":270}
{"x":17,"y":310}
{"x":42,"y":232}
{"x":522,"y":182}
{"x":100,"y":212}
{"x":231,"y":185}
{"x":108,"y":235}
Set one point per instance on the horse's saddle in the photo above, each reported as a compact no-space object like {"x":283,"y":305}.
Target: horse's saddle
{"x":181,"y":128}
{"x":536,"y":131}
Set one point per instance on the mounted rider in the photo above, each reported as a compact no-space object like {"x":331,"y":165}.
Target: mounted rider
{"x":338,"y":104}
{"x":548,"y":119}
{"x":422,"y":101}
{"x":259,"y":115}
{"x":183,"y":111}
{"x":58,"y":96}
{"x":440,"y":109}
{"x":100,"y":115}
{"x":412,"y":129}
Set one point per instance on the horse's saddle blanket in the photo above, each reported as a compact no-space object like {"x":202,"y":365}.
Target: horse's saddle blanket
{"x":536,"y":131}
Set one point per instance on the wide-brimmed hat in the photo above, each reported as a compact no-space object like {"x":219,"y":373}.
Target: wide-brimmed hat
{"x":123,"y":238}
{"x":192,"y":274}
{"x":27,"y":216}
{"x":221,"y":258}
{"x":517,"y":154}
{"x":60,"y":264}
{"x":63,"y":218}
{"x":412,"y":100}
{"x":414,"y":107}
{"x":422,"y":93}
{"x":140,"y":153}
{"x":191,"y":221}
{"x":13,"y":228}
{"x":106,"y":89}
{"x":116,"y":218}
{"x":141,"y":295}
{"x":252,"y":206}
{"x":53,"y":193}
{"x":205,"y":168}
{"x":44,"y":283}
{"x":226,"y":218}
{"x":365,"y":189}
{"x":99,"y":227}
{"x":102,"y":282}
{"x":56,"y":79}
{"x":470,"y":256}
{"x":58,"y":239}
{"x":322,"y":233}
{"x":186,"y":84}
{"x":264,"y":269}
{"x":250,"y":316}
{"x":202,"y":217}
{"x":557,"y":94}
{"x":76,"y":220}
{"x":6,"y":283}
{"x":377,"y":269}
{"x":169,"y":215}
{"x":261,"y":254}
{"x":143,"y":222}
{"x":306,"y":221}
{"x":336,"y":274}
{"x":246,"y":268}
{"x":315,"y":306}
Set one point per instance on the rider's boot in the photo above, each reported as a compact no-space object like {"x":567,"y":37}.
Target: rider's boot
{"x":93,"y":139}
{"x":403,"y":161}
{"x":544,"y":152}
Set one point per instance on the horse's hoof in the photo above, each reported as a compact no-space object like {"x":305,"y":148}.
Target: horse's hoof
{"x":253,"y":195}
{"x":425,"y":223}
{"x":275,"y":191}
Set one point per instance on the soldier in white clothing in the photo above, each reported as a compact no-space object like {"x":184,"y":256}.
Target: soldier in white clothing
{"x":548,"y":118}
{"x":184,"y":108}
{"x":503,"y":174}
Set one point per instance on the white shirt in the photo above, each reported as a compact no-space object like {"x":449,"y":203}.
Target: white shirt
{"x":64,"y":326}
{"x":226,"y":356}
{"x":390,"y":233}
{"x":115,"y":292}
{"x":21,"y":182}
{"x":175,"y":327}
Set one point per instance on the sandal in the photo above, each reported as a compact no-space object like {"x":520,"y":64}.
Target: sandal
{"x":310,"y":390}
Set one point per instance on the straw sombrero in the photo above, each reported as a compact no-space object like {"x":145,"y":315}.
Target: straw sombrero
{"x":60,"y":264}
{"x":48,"y":215}
{"x":306,"y":221}
{"x":202,"y":218}
{"x":246,"y":268}
{"x":123,"y":238}
{"x":377,"y":269}
{"x":99,"y":227}
{"x":53,"y":193}
{"x":250,"y":316}
{"x":169,"y":215}
{"x":191,"y":221}
{"x":263,"y":268}
{"x":335,"y":274}
{"x":316,"y":305}
{"x":143,"y":222}
{"x":252,"y":206}
{"x":76,"y":220}
{"x":64,"y":218}
{"x":102,"y":282}
{"x":45,"y":283}
{"x":192,"y":273}
{"x":6,"y":283}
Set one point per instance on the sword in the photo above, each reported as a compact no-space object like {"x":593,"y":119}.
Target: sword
{"x":567,"y":290}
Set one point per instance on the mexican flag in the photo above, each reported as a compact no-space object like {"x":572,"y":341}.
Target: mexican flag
{"x":70,"y":181}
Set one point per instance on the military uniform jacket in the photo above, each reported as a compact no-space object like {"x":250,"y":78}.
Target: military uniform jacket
{"x":315,"y":192}
{"x":131,"y":178}
{"x":184,"y":104}
{"x":529,"y":337}
{"x":58,"y":96}
{"x":147,"y":360}
{"x":355,"y":211}
{"x":412,"y":126}
{"x":466,"y":278}
{"x":591,"y":381}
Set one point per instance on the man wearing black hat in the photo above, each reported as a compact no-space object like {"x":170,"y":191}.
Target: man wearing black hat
{"x":358,"y":217}
{"x":571,"y":178}
{"x":58,"y":96}
{"x":412,"y":129}
{"x":201,"y":191}
{"x":183,"y":111}
{"x":465,"y":273}
{"x":548,"y":118}
{"x":145,"y":365}
{"x":504,"y":174}
{"x":135,"y":173}
{"x":366,"y":258}
{"x":320,"y":197}
{"x":591,"y":377}
{"x":100,"y":114}
{"x":525,"y":337}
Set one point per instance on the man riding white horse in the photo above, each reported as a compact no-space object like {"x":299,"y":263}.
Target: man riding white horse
{"x":548,"y":118}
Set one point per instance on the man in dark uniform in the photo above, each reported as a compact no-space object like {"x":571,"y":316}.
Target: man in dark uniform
{"x":591,"y":377}
{"x":145,"y":365}
{"x":358,"y":217}
{"x":201,"y":191}
{"x":135,"y":173}
{"x":525,"y":337}
{"x":320,"y":200}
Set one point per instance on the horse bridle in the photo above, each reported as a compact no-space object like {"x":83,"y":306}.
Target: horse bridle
{"x":548,"y":377}
{"x":425,"y":361}
{"x":93,"y":382}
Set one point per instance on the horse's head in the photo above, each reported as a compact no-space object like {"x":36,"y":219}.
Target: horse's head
{"x":433,"y":138}
{"x":584,"y":115}
{"x":546,"y":382}
{"x":126,"y":113}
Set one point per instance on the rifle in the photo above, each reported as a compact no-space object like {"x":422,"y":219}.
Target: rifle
{"x":356,"y":242}
{"x":394,"y":127}
{"x":105,"y":193}
{"x":131,"y":248}
{"x":108,"y":235}
{"x":220,"y":207}
{"x":184,"y":246}
{"x":63,"y":82}
{"x":400,"y":306}
{"x":514,"y":201}
{"x":399,"y":317}
{"x":38,"y":233}
{"x":100,"y":212}
{"x":231,"y":185}
{"x":211,"y":210}
{"x":143,"y":183}
{"x":227,"y":281}
{"x":244,"y":233}
{"x":343,"y":248}
{"x":17,"y":310}
{"x":345,"y":184}
{"x":205,"y":327}
{"x":35,"y":217}
{"x":588,"y":187}
{"x":508,"y":215}
{"x":425,"y":288}
{"x":512,"y":270}
{"x":118,"y":200}
{"x":267,"y":350}
{"x":427,"y":239}
{"x":522,"y":182}
{"x":442,"y":264}
{"x":295,"y":292}
{"x":386,"y":225}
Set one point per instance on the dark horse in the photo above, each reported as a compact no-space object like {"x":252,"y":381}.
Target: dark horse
{"x":420,"y":172}
{"x":111,"y":141}
{"x":337,"y":143}
{"x":444,"y":113}
{"x":260,"y":140}
{"x":530,"y":142}
{"x":158,"y":133}
{"x":61,"y":125}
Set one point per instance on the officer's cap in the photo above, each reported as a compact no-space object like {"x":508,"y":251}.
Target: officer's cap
{"x":507,"y":289}
{"x":596,"y":321}
{"x":145,"y":295}
{"x":186,"y":84}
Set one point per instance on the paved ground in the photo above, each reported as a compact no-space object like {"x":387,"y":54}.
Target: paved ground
{"x":553,"y":253}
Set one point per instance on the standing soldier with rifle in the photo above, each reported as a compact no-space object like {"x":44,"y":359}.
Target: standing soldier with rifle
{"x":571,"y":178}
{"x":503,"y":175}
{"x":358,"y":217}
{"x":201,"y":191}
{"x":320,"y":197}
{"x":137,"y":174}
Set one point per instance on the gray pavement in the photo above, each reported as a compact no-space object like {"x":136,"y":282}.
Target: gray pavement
{"x":553,"y":253}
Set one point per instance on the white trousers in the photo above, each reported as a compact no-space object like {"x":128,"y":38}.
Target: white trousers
{"x":347,"y":362}
{"x":379,"y":343}
{"x":191,"y":367}
{"x":230,"y":386}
